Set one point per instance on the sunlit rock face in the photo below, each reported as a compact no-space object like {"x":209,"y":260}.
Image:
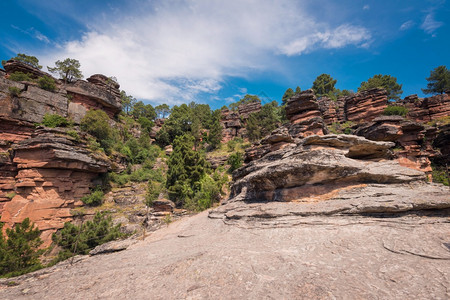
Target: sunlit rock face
{"x":45,"y":172}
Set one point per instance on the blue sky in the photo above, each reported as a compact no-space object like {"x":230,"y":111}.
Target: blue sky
{"x":215,"y":52}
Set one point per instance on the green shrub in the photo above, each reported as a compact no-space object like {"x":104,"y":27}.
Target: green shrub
{"x":85,"y":237}
{"x":152,"y":193}
{"x":10,"y":195}
{"x":54,"y":120}
{"x":440,"y":175}
{"x":14,"y":91}
{"x":394,"y":110}
{"x":235,"y":161}
{"x":96,"y":123}
{"x":74,"y":134}
{"x":93,"y":199}
{"x":47,"y":83}
{"x":20,"y":76}
{"x":19,"y":253}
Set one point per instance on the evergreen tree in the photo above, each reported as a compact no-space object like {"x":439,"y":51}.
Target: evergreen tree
{"x":387,"y":82}
{"x":68,"y":70}
{"x":215,"y":133}
{"x":287,"y":95}
{"x":297,"y":90}
{"x":143,"y":110}
{"x":324,"y":85}
{"x":439,"y":81}
{"x":19,"y":253}
{"x":261,"y":123}
{"x":162,"y":110}
{"x":127,"y":101}
{"x":185,"y":169}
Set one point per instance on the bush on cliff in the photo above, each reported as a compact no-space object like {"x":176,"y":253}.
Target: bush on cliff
{"x":93,"y":199}
{"x":19,"y":253}
{"x":47,"y":83}
{"x":393,"y":110}
{"x":54,"y":120}
{"x":80,"y":239}
{"x":20,"y":76}
{"x":96,"y":123}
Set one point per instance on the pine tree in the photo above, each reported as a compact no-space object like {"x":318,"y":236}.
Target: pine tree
{"x":287,"y":95}
{"x":19,"y":253}
{"x":324,"y":85}
{"x":68,"y":70}
{"x":387,"y":82}
{"x":439,"y":81}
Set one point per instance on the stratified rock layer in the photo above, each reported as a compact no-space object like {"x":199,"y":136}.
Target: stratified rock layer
{"x":233,"y":122}
{"x":427,"y":109}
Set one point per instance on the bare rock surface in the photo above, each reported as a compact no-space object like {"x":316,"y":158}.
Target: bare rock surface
{"x":320,"y":257}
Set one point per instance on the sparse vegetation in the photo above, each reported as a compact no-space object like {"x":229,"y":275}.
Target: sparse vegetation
{"x":47,"y":83}
{"x":68,"y":69}
{"x":394,"y":110}
{"x":14,"y":91}
{"x":20,"y":76}
{"x":94,"y":199}
{"x":55,"y":120}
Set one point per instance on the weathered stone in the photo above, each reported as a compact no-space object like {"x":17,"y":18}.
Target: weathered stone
{"x":12,"y":66}
{"x":365,"y":106}
{"x":427,"y":109}
{"x":113,"y":246}
{"x":165,"y":205}
{"x":332,"y":110}
{"x":233,"y":122}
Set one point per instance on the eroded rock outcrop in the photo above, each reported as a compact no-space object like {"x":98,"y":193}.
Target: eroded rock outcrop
{"x":427,"y":109}
{"x":45,"y":172}
{"x":52,"y":172}
{"x":365,"y":106}
{"x":332,"y":110}
{"x":233,"y":122}
{"x":413,"y":140}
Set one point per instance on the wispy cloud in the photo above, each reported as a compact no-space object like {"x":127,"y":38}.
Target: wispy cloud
{"x":366,"y":7}
{"x":33,"y":33}
{"x":430,"y":25}
{"x":176,"y":50}
{"x":407,"y":25}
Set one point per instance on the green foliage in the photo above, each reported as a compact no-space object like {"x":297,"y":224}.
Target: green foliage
{"x":185,"y":169}
{"x":20,"y":76}
{"x":394,"y":110}
{"x":441,"y":175}
{"x":297,"y":90}
{"x":47,"y":83}
{"x":74,"y":134}
{"x":14,"y":91}
{"x":68,"y":69}
{"x":152,"y":193}
{"x":10,"y":195}
{"x":324,"y":85}
{"x":439,"y":81}
{"x":19,"y":252}
{"x":341,"y":128}
{"x":235,"y":161}
{"x":387,"y":82}
{"x":32,"y":61}
{"x":146,"y":124}
{"x":96,"y":123}
{"x":260,"y":124}
{"x":143,"y":110}
{"x":94,"y":199}
{"x":215,"y":133}
{"x":80,"y":239}
{"x":162,"y":110}
{"x":287,"y":95}
{"x":207,"y":193}
{"x":127,"y":101}
{"x":54,"y":120}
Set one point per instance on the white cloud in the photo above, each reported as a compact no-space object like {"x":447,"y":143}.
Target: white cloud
{"x":33,"y":33}
{"x":366,"y":7}
{"x":407,"y":25}
{"x":175,"y":50}
{"x":430,"y":24}
{"x":339,"y":37}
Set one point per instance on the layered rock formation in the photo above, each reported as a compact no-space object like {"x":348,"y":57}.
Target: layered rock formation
{"x":233,"y":122}
{"x":427,"y":109}
{"x":45,"y":172}
{"x":332,"y":111}
{"x":413,"y":140}
{"x":366,"y":105}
